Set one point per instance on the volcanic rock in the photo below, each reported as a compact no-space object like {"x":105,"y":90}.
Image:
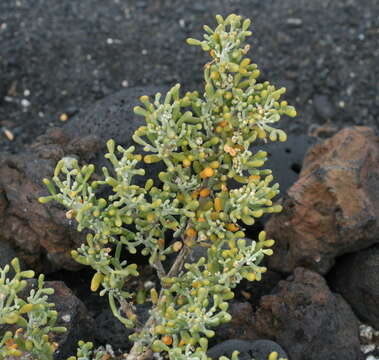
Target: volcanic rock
{"x":333,"y":208}
{"x":308,"y":320}
{"x":356,"y":278}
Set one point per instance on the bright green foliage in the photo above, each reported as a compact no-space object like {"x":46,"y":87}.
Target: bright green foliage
{"x":213,"y":183}
{"x":85,"y":352}
{"x":34,"y":318}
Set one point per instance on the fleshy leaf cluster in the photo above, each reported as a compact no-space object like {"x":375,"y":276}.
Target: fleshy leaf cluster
{"x":31,"y":321}
{"x":213,"y":183}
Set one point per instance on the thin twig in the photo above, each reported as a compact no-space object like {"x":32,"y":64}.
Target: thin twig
{"x":135,"y":352}
{"x":160,"y":269}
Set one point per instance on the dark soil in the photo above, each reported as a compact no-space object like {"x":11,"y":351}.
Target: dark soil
{"x":60,"y":56}
{"x":57,"y":56}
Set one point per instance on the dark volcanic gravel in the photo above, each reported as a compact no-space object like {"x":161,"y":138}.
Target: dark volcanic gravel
{"x":56,"y":56}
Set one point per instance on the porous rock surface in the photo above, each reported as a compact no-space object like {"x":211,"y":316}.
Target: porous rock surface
{"x":333,"y":208}
{"x":356,"y":278}
{"x":40,"y":233}
{"x":308,"y":320}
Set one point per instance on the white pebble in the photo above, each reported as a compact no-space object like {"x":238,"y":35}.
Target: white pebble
{"x":294,"y":21}
{"x":25,"y":103}
{"x":182,"y":23}
{"x":66,"y":318}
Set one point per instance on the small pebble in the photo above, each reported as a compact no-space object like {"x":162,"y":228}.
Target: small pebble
{"x":66,"y":318}
{"x":144,"y":52}
{"x":25,"y":103}
{"x":8,"y":134}
{"x":125,"y":83}
{"x":63,"y":117}
{"x":182,"y":23}
{"x":294,"y":21}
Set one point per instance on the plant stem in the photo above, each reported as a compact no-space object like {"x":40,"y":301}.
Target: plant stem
{"x":137,"y":352}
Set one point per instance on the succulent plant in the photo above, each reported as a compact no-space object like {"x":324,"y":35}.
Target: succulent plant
{"x":29,"y":321}
{"x":212,"y":185}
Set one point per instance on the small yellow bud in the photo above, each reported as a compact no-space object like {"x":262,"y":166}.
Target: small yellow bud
{"x":217,"y":204}
{"x":191,"y":232}
{"x":154,"y":295}
{"x":215,"y":75}
{"x":186,"y":163}
{"x":207,"y":173}
{"x":232,"y":227}
{"x":156,"y":346}
{"x":204,"y":192}
{"x":228,"y":95}
{"x":269,"y":243}
{"x":214,"y":164}
{"x":96,"y":281}
{"x":177,"y":245}
{"x":181,"y":343}
{"x":161,"y":243}
{"x":144,"y":98}
{"x":159,"y":329}
{"x":26,"y":308}
{"x":273,"y":356}
{"x":167,"y":340}
{"x":150,"y":159}
{"x":251,"y":276}
{"x":223,"y":123}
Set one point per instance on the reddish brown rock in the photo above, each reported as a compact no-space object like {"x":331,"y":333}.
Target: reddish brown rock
{"x":333,"y":208}
{"x":356,"y":278}
{"x":308,"y":320}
